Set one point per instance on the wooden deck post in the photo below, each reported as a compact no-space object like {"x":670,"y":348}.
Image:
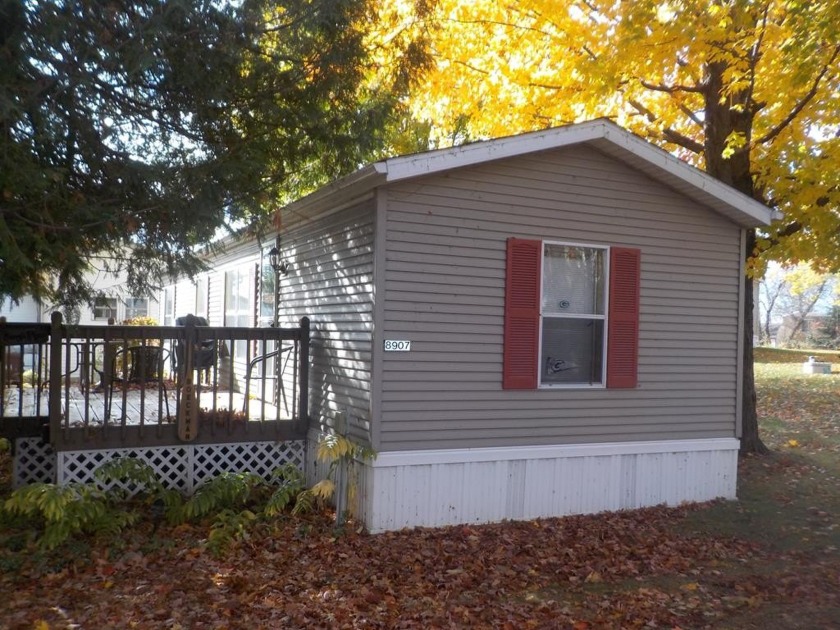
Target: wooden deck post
{"x":187,"y":394}
{"x":2,"y":363}
{"x":54,"y":405}
{"x":303,"y":375}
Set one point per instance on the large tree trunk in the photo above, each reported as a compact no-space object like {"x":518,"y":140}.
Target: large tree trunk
{"x":750,"y":441}
{"x":722,"y":119}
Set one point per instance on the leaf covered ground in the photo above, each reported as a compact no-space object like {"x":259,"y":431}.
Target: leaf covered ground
{"x":770,"y":560}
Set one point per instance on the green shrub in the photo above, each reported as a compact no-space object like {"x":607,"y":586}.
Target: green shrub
{"x":127,"y":487}
{"x":289,"y":492}
{"x":29,"y":377}
{"x":229,"y":526}
{"x":64,"y":511}
{"x":223,"y":492}
{"x":140,"y":321}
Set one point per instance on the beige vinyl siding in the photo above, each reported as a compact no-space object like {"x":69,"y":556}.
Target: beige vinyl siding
{"x":444,"y":280}
{"x":331,"y":282}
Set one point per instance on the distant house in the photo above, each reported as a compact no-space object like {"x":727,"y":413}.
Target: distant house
{"x":797,"y":330}
{"x":114,"y":304}
{"x":531,"y":326}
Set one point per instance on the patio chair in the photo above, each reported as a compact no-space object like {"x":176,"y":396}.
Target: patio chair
{"x":204,"y":353}
{"x":137,"y":365}
{"x":280,"y":364}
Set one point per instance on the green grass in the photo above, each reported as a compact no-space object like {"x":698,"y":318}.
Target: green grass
{"x":784,"y":355}
{"x":788,"y":501}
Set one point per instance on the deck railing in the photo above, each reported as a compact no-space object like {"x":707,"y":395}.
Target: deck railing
{"x":93,"y":386}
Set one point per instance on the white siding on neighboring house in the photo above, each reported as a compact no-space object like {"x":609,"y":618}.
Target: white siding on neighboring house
{"x":27,"y":310}
{"x":116,"y":302}
{"x":445,"y":281}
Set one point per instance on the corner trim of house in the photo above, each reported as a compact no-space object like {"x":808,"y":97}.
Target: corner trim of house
{"x":742,"y":331}
{"x":508,"y":453}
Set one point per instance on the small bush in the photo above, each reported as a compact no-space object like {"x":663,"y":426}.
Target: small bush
{"x":140,"y":321}
{"x":127,"y":488}
{"x":64,"y":511}
{"x":29,"y":377}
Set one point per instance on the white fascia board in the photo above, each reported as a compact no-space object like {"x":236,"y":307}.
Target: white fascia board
{"x":355,"y":184}
{"x":753,"y":213}
{"x":430,"y":162}
{"x":601,"y":134}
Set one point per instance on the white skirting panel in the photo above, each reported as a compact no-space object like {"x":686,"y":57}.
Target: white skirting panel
{"x":449,"y":487}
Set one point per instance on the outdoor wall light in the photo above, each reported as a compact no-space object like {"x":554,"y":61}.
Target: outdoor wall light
{"x":281,"y":267}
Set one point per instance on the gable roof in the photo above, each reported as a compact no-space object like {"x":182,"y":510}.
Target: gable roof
{"x":600,"y":134}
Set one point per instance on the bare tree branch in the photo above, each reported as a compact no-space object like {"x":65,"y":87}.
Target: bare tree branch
{"x":691,"y":115}
{"x":671,"y":89}
{"x":669,"y":134}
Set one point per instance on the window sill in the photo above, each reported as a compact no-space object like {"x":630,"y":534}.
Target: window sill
{"x":571,"y":386}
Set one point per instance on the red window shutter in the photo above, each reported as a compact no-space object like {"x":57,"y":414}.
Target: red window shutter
{"x":623,"y":324}
{"x":522,"y":314}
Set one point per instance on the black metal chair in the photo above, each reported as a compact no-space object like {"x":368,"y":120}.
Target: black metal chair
{"x":204,"y":354}
{"x":137,"y":365}
{"x":262,"y":375}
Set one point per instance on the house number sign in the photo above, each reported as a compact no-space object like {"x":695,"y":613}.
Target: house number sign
{"x":397,"y":345}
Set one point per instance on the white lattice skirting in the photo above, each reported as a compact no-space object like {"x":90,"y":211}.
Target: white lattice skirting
{"x":181,"y":467}
{"x":34,"y":462}
{"x":448,"y":487}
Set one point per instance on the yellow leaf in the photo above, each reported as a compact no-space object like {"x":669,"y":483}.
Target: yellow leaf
{"x":324,"y":489}
{"x":500,"y":68}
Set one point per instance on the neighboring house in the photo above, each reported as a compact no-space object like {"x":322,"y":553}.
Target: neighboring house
{"x":114,"y":304}
{"x":26,"y":310}
{"x":526,"y":327}
{"x":796,"y":330}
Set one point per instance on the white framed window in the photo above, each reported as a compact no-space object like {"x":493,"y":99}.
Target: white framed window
{"x":201,"y":297}
{"x":573,"y":315}
{"x":169,"y":306}
{"x":136,"y":307}
{"x":105,"y":308}
{"x":239,"y":302}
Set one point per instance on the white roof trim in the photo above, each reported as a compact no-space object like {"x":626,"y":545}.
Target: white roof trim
{"x":601,"y":134}
{"x":407,"y":166}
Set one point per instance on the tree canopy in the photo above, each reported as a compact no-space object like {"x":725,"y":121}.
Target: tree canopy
{"x":132,"y":131}
{"x":748,"y":90}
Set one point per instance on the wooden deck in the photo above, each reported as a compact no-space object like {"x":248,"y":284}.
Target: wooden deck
{"x":129,"y":407}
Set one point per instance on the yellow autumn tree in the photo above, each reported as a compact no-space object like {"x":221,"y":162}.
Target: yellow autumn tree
{"x":748,"y":90}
